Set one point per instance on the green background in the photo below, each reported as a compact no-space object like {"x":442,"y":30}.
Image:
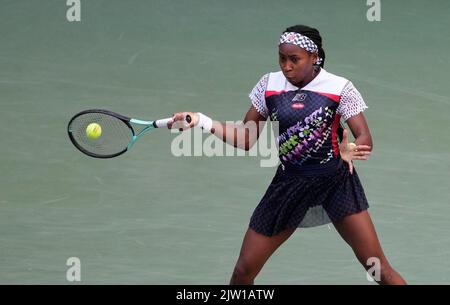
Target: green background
{"x":148,"y":217}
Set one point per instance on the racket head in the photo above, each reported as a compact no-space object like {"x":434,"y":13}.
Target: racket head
{"x":116,"y":133}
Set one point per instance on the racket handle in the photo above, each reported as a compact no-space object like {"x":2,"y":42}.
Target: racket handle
{"x":164,"y":122}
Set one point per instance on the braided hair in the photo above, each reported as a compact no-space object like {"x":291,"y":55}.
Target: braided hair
{"x":314,"y":35}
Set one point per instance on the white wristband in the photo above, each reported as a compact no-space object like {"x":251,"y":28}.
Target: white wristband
{"x":204,"y":122}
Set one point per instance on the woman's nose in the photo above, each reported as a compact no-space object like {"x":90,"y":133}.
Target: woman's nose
{"x":287,"y":68}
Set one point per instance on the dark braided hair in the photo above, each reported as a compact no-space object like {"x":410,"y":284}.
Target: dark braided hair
{"x":314,"y":35}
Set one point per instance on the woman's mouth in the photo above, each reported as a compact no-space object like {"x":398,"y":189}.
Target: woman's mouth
{"x":289,"y":77}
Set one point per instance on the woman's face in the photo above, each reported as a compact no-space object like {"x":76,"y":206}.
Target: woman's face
{"x":296,"y":63}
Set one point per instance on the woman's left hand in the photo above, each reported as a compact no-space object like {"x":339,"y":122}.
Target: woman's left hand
{"x":351,"y":151}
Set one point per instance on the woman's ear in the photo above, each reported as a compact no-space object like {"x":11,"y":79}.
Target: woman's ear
{"x":314,"y":58}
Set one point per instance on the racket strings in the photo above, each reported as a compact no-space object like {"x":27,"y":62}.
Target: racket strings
{"x":114,"y":138}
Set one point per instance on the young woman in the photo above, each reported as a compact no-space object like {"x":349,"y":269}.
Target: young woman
{"x":315,"y":183}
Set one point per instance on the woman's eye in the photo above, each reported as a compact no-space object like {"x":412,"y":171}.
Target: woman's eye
{"x":294,"y":60}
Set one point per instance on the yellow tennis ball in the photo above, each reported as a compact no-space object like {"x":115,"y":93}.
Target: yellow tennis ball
{"x":93,"y":131}
{"x":352,"y":146}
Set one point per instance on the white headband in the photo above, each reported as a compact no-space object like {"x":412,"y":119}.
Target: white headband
{"x":301,"y":41}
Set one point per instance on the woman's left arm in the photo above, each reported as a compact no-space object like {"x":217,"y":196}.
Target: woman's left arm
{"x":360,"y":130}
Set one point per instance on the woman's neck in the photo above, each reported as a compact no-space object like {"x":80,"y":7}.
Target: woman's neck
{"x":315,"y":72}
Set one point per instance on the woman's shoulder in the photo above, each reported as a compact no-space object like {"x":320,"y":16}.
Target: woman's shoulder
{"x":269,"y":80}
{"x":327,"y":82}
{"x":334,"y":78}
{"x":272,"y":75}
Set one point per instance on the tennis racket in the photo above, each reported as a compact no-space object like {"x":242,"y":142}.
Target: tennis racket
{"x":117,"y":134}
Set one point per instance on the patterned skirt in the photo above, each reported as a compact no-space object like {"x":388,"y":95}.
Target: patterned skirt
{"x":308,"y":197}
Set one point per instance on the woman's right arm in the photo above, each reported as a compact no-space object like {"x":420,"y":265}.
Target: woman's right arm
{"x":242,"y":135}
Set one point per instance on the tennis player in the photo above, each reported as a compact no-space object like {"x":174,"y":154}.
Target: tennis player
{"x":315,"y":183}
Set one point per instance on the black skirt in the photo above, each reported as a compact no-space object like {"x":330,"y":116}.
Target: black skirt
{"x":308,"y":197}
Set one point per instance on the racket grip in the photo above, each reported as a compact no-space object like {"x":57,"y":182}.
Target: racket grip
{"x":164,"y":122}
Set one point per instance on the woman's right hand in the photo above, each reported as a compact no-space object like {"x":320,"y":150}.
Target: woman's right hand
{"x":179,"y":120}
